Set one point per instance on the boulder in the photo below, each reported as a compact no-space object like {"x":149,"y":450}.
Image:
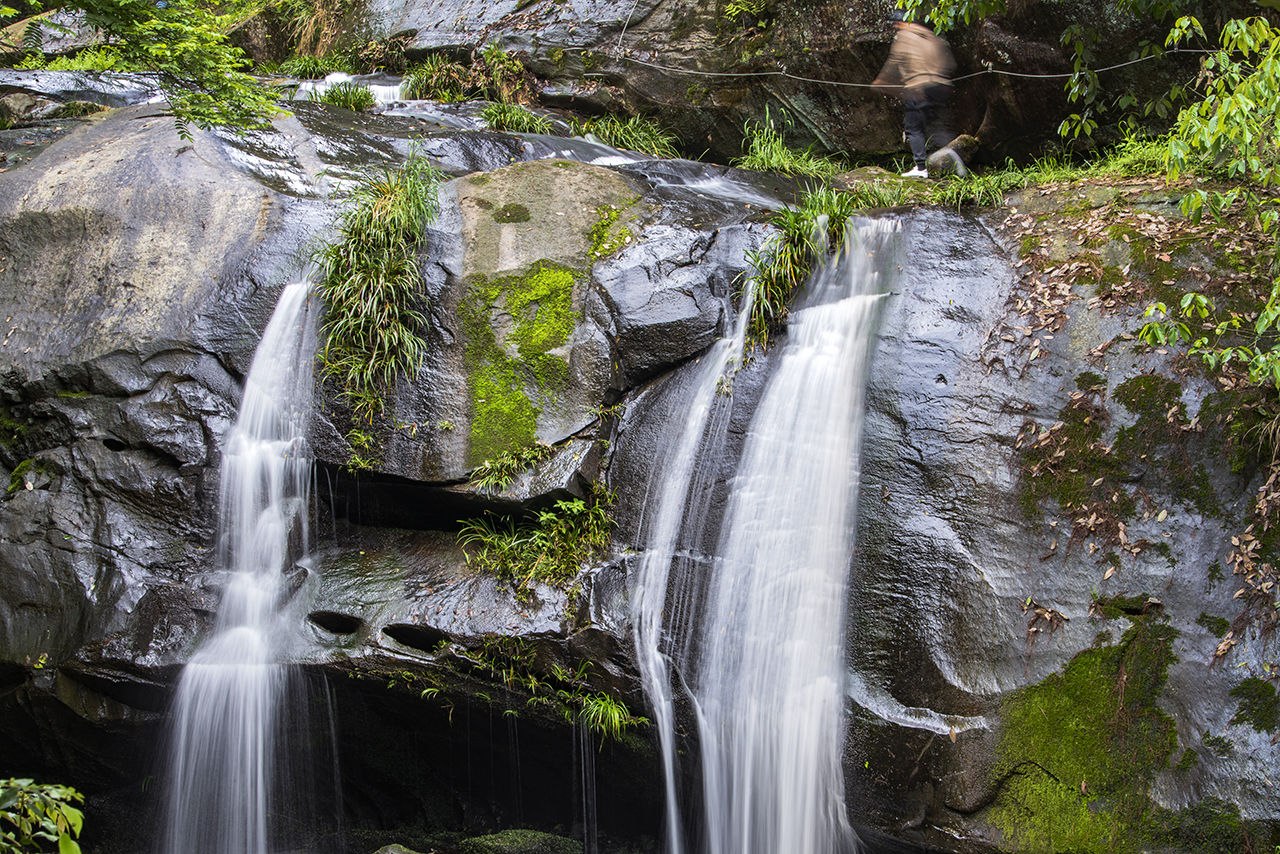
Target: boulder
{"x":520,"y":842}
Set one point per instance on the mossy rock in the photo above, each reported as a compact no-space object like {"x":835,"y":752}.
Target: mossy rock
{"x":536,"y":366}
{"x":520,"y":842}
{"x":1078,"y":751}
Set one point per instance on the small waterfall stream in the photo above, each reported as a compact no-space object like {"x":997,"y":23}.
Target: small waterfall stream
{"x":225,"y":714}
{"x":763,"y":657}
{"x":679,"y":502}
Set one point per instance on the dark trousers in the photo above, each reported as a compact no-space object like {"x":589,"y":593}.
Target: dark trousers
{"x":925,"y":119}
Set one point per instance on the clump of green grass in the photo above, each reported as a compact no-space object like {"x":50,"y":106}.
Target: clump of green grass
{"x":767,"y":151}
{"x":514,"y":117}
{"x":497,"y":474}
{"x":494,"y":75}
{"x":350,"y":96}
{"x":437,"y":78}
{"x":501,"y":77}
{"x":371,"y":285}
{"x":606,"y":716}
{"x":549,"y":549}
{"x":786,"y":258}
{"x":315,"y":67}
{"x":633,"y":134}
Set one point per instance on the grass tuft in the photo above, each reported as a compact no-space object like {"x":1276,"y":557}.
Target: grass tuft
{"x":437,"y":78}
{"x":767,"y":151}
{"x":634,"y":134}
{"x":371,"y":284}
{"x":549,"y":549}
{"x":786,"y":258}
{"x":315,"y":67}
{"x":497,"y":474}
{"x":513,"y":117}
{"x":349,"y":96}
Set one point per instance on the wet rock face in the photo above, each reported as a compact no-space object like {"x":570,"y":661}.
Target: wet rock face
{"x":993,"y":620}
{"x":599,"y":56}
{"x":138,"y":272}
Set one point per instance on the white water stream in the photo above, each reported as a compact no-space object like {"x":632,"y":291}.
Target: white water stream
{"x":763,"y":656}
{"x":225,"y":714}
{"x":679,"y":504}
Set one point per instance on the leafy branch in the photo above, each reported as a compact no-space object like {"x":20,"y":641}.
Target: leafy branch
{"x":32,"y":814}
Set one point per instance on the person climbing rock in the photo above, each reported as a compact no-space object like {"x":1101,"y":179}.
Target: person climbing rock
{"x":918,"y":71}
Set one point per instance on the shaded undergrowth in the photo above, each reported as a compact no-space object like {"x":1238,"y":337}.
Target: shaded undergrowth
{"x":548,"y":548}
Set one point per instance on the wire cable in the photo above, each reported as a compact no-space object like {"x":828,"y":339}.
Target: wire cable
{"x":780,"y":73}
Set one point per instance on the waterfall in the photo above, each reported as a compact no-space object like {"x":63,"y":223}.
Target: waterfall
{"x":763,"y":657}
{"x":679,"y":501}
{"x":224,"y":723}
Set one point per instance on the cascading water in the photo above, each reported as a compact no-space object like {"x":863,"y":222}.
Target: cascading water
{"x":763,"y":659}
{"x":222,"y":763}
{"x":682,"y":488}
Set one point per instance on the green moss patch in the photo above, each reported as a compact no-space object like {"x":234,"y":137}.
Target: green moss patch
{"x":1071,"y":464}
{"x":511,"y":213}
{"x":1259,"y":706}
{"x":513,"y":377}
{"x":1078,"y":750}
{"x":607,"y":236}
{"x":1216,"y":626}
{"x":1160,"y":435}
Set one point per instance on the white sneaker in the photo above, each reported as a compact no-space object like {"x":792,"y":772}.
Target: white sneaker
{"x":916,"y":172}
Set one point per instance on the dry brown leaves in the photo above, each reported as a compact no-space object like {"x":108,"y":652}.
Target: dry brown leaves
{"x":1041,"y":620}
{"x":1047,"y":283}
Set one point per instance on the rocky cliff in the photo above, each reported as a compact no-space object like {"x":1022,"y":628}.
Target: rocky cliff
{"x":1046,"y":508}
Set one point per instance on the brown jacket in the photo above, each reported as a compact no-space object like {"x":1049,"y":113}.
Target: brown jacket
{"x":917,"y":58}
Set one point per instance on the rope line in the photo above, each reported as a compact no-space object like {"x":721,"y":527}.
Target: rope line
{"x":780,"y":73}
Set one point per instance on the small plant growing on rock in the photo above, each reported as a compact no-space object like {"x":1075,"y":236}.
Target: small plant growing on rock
{"x":549,"y":549}
{"x":634,"y":134}
{"x":515,"y":118}
{"x":497,"y":474}
{"x":315,"y":67}
{"x":436,"y":78}
{"x":372,"y":287}
{"x":767,"y":151}
{"x":784,"y":261}
{"x":347,"y":95}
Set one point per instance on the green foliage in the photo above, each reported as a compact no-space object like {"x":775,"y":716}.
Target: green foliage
{"x":90,"y":59}
{"x":33,"y":815}
{"x":315,"y":67}
{"x":783,"y":263}
{"x":514,"y":117}
{"x":502,"y":77}
{"x":364,"y":447}
{"x":317,"y":27}
{"x":767,"y":151}
{"x":549,"y":549}
{"x":515,"y":662}
{"x":347,"y":95}
{"x":372,"y":286}
{"x":634,"y":134}
{"x":605,"y":715}
{"x":738,"y":11}
{"x":497,"y":474}
{"x":494,"y":75}
{"x":437,"y":78}
{"x":184,"y":41}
